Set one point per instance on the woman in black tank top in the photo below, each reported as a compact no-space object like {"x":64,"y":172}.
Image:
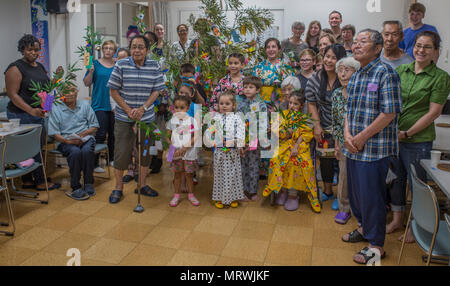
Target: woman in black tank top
{"x":18,"y":78}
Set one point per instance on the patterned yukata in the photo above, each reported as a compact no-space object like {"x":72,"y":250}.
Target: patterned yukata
{"x":223,"y":85}
{"x":296,"y":173}
{"x":251,"y":162}
{"x":228,"y":186}
{"x":272,"y":75}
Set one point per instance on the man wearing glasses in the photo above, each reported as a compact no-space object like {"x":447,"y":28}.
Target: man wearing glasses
{"x":135,"y":84}
{"x":374,"y":102}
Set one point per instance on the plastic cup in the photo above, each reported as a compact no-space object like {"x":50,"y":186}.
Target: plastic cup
{"x":7,"y":126}
{"x":435,"y":158}
{"x":15,"y":122}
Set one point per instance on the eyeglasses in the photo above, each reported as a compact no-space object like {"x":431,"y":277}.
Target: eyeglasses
{"x":182,"y":31}
{"x":109,"y":48}
{"x":345,"y":69}
{"x":419,"y":47}
{"x":361,"y":43}
{"x":137,"y":48}
{"x":306,"y":60}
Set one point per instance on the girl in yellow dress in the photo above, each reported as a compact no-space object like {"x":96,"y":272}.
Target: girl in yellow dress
{"x":292,"y":168}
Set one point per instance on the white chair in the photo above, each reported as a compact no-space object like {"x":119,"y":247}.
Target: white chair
{"x":4,"y":189}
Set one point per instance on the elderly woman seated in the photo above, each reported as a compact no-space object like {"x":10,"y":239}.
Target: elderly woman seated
{"x":73,"y":124}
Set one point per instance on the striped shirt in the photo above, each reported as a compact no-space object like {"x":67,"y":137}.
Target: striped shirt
{"x":135,"y":84}
{"x":322,"y":100}
{"x":372,"y":90}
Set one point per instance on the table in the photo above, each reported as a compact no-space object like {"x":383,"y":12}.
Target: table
{"x":442,"y":178}
{"x":442,"y":140}
{"x":3,"y":115}
{"x":22,"y":128}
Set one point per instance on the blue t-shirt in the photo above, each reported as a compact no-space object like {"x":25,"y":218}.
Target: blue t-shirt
{"x":100,"y":92}
{"x":410,"y":36}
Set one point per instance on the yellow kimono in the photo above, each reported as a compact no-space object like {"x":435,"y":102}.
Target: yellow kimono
{"x":293,"y":172}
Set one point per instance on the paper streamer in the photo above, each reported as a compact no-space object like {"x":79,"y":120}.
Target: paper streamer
{"x":254,"y":145}
{"x":48,"y":103}
{"x":153,"y":150}
{"x":158,"y":145}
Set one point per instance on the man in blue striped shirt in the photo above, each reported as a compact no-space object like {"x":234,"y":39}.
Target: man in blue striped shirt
{"x":134,"y":84}
{"x":374,"y":100}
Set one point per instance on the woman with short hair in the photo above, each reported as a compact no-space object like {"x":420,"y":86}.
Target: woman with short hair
{"x":98,"y":77}
{"x":181,"y":46}
{"x":294,"y":45}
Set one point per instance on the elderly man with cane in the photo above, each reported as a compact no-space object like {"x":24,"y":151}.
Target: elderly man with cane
{"x":135,"y":84}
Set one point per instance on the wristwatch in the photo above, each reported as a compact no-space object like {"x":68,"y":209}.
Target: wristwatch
{"x":146,"y":108}
{"x":407,"y":136}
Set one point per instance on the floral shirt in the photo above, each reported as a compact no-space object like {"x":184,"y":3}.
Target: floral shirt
{"x":272,"y":74}
{"x":224,"y":84}
{"x":338,"y":110}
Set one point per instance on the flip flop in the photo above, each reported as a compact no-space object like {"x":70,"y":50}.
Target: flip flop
{"x":368,"y":255}
{"x":115,"y":196}
{"x":79,"y":195}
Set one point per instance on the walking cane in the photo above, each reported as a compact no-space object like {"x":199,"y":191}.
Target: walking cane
{"x":139,"y":208}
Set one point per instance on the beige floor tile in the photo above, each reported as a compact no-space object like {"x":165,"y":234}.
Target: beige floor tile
{"x":297,"y":218}
{"x":293,"y":234}
{"x":326,"y":238}
{"x":46,"y":259}
{"x":203,"y":242}
{"x":326,"y":221}
{"x":20,"y":229}
{"x":283,"y":253}
{"x":91,"y":262}
{"x":260,"y":214}
{"x":249,"y":249}
{"x":166,"y":237}
{"x":181,"y":220}
{"x":149,"y":216}
{"x":95,"y":226}
{"x":332,"y":257}
{"x":35,"y":217}
{"x":148,"y":255}
{"x":230,"y":261}
{"x":13,"y":256}
{"x":109,"y":250}
{"x":58,"y":203}
{"x":35,"y":238}
{"x":85,"y":207}
{"x":71,"y":240}
{"x":113,"y":212}
{"x":254,"y":230}
{"x":188,"y":258}
{"x":63,"y":221}
{"x":231,"y":213}
{"x":185,"y":206}
{"x":217,"y":225}
{"x":129,"y":231}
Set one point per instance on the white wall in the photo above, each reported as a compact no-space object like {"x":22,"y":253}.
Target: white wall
{"x":437,"y":15}
{"x":354,"y":12}
{"x":15,"y":21}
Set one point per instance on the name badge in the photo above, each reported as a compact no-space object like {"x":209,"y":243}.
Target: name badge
{"x":372,"y":87}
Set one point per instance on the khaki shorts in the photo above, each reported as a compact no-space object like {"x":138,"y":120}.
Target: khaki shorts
{"x":124,"y":141}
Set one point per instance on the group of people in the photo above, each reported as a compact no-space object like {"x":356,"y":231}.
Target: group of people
{"x":372,"y":97}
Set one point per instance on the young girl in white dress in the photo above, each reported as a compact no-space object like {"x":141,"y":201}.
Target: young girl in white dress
{"x":228,"y":188}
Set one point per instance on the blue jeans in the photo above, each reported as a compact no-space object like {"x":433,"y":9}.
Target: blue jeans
{"x":26,"y":118}
{"x":410,"y":153}
{"x":79,"y":158}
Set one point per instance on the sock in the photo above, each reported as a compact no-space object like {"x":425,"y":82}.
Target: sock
{"x":190,"y":195}
{"x":176,"y":196}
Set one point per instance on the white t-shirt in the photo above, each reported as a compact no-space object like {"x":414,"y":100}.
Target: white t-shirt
{"x":182,"y":133}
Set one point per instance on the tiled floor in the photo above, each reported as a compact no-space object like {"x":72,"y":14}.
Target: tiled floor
{"x":252,"y":234}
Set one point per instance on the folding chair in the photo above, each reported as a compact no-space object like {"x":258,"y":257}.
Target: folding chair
{"x":19,"y":148}
{"x":4,"y":189}
{"x":430,"y":233}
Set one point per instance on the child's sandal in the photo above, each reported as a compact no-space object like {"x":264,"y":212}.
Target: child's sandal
{"x":175,"y":201}
{"x":193,"y":200}
{"x":234,"y":204}
{"x":218,"y":204}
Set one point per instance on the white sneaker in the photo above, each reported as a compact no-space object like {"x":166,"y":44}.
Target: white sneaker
{"x":99,"y":170}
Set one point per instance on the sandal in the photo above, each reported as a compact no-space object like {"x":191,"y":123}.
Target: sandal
{"x":115,"y":196}
{"x":193,"y":200}
{"x":354,"y":236}
{"x":174,"y":202}
{"x":218,"y":204}
{"x":234,"y":204}
{"x":368,"y":255}
{"x":78,"y":194}
{"x":147,"y":191}
{"x":127,"y":178}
